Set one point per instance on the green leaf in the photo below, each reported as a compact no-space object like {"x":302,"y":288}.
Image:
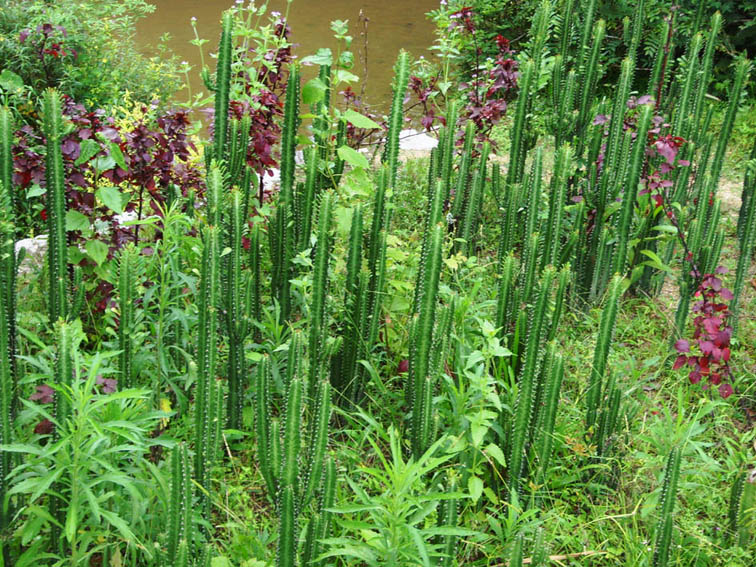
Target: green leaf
{"x":71,"y":521}
{"x":344,"y":76}
{"x":475,"y":486}
{"x":313,"y":91}
{"x":323,"y":56}
{"x":498,"y":455}
{"x":88,"y":149}
{"x":97,"y":250}
{"x":76,"y":221}
{"x":353,"y":157}
{"x":655,"y":262}
{"x":111,"y":197}
{"x":10,"y":81}
{"x":103,"y":163}
{"x":117,"y":155}
{"x":360,"y":120}
{"x":35,"y":191}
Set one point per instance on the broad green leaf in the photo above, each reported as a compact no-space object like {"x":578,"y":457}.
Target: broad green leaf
{"x":111,"y":197}
{"x":35,"y":191}
{"x":496,"y":453}
{"x":360,"y":120}
{"x":344,"y":76}
{"x":88,"y":149}
{"x":475,"y":486}
{"x":313,"y":91}
{"x":353,"y":157}
{"x":76,"y":221}
{"x":117,"y":155}
{"x":10,"y":81}
{"x":323,"y":56}
{"x":97,"y":250}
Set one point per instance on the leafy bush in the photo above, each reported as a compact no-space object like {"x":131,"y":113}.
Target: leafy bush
{"x":85,"y":49}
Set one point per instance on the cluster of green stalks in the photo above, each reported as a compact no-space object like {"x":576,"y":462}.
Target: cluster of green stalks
{"x":582,"y":236}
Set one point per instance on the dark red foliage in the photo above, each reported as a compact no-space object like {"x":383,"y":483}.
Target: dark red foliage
{"x":711,"y":336}
{"x":486,"y":94}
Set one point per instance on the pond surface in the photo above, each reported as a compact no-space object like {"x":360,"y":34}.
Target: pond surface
{"x":393,"y":24}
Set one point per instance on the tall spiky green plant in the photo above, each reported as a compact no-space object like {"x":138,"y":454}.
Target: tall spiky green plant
{"x":740,"y":519}
{"x":519,"y":132}
{"x":238,"y":303}
{"x":666,"y":509}
{"x":546,"y":419}
{"x":448,"y":517}
{"x":128,"y":267}
{"x":319,"y":526}
{"x":180,"y":529}
{"x":420,"y":381}
{"x":8,"y":380}
{"x":596,"y":387}
{"x":6,"y":157}
{"x":527,"y":382}
{"x":223,"y":88}
{"x":207,"y":393}
{"x":319,"y":288}
{"x":57,"y":250}
{"x":391,"y":151}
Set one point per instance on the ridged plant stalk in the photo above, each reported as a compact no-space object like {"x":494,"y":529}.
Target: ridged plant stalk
{"x":238,"y":303}
{"x":742,"y":72}
{"x":6,"y":158}
{"x":222,"y":88}
{"x":57,"y":250}
{"x":630,"y":195}
{"x":515,"y":557}
{"x":547,"y":410}
{"x":746,"y":242}
{"x":448,"y":517}
{"x":468,"y":228}
{"x":666,"y":509}
{"x":462,"y":189}
{"x":519,"y":132}
{"x":8,"y":380}
{"x":391,"y":151}
{"x":448,"y":148}
{"x":597,"y":389}
{"x":318,"y":304}
{"x":281,"y":231}
{"x":128,"y":268}
{"x":740,"y":519}
{"x":180,"y":529}
{"x":208,"y":396}
{"x":748,"y":193}
{"x":527,"y":383}
{"x":420,"y":380}
{"x":319,"y":526}
{"x":557,"y":200}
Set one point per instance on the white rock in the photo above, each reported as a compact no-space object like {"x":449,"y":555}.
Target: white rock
{"x":35,"y":250}
{"x":416,"y":141}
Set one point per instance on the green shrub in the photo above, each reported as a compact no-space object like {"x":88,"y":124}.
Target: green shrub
{"x":86,"y":50}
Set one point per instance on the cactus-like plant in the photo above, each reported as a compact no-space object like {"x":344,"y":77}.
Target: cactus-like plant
{"x":448,"y":518}
{"x":319,"y":288}
{"x":420,"y":382}
{"x":223,"y":88}
{"x":128,"y":267}
{"x":391,"y":151}
{"x":57,"y":251}
{"x":207,"y":395}
{"x":740,"y":521}
{"x":666,"y":509}
{"x":527,"y":383}
{"x":180,"y":529}
{"x":596,"y":386}
{"x":8,"y":381}
{"x":238,"y":303}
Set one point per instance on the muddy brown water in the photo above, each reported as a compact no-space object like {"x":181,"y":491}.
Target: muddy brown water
{"x":393,"y":25}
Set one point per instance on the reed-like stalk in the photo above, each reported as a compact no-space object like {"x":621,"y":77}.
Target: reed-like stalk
{"x":666,"y":509}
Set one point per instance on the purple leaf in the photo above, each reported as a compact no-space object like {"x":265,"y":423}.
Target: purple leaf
{"x":725,"y":390}
{"x":682,"y":345}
